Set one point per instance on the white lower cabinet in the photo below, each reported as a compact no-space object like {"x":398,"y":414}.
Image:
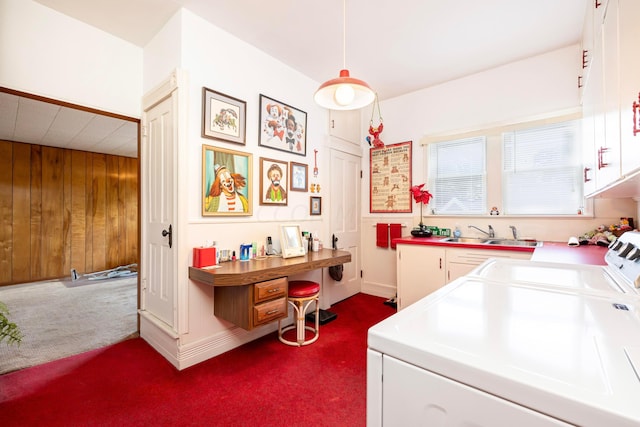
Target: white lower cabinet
{"x":422,"y":269}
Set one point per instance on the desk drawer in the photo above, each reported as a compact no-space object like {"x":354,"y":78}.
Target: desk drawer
{"x":270,"y":311}
{"x":265,"y":291}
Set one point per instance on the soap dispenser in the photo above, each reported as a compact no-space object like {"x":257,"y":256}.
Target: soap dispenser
{"x":457,"y":232}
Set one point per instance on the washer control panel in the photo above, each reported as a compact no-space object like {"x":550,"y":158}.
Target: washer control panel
{"x":624,"y":256}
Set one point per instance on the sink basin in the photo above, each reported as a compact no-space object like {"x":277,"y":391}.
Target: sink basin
{"x":510,"y":242}
{"x":465,"y":239}
{"x":490,"y":241}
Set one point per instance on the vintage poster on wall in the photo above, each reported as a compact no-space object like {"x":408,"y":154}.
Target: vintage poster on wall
{"x":390,"y":178}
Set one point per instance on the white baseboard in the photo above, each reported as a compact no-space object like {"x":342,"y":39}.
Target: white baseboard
{"x":378,"y":289}
{"x":184,"y":356}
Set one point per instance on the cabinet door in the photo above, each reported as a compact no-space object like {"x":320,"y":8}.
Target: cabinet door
{"x":420,"y":271}
{"x":628,"y":18}
{"x":461,"y":262}
{"x":610,"y":148}
{"x":345,"y":125}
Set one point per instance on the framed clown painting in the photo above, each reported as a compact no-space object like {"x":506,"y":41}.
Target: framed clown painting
{"x":273,"y":182}
{"x":226,"y":182}
{"x":282,"y":127}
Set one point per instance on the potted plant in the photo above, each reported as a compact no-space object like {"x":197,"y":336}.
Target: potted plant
{"x":423,"y":197}
{"x":8,"y":330}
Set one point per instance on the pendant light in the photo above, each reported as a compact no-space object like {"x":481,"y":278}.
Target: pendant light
{"x":344,"y":92}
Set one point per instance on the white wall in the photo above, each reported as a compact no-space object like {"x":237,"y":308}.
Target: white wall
{"x":214,"y":59}
{"x":530,"y":89}
{"x":46,"y":53}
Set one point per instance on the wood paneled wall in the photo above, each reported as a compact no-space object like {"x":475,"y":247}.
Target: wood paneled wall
{"x":62,"y":209}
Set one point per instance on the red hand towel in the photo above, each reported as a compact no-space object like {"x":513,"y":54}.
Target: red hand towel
{"x":382,"y":235}
{"x":395,"y":232}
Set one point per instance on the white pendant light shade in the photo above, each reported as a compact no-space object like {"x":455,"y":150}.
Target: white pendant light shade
{"x":344,"y":93}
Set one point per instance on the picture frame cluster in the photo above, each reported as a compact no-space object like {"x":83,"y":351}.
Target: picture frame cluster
{"x":227,"y":175}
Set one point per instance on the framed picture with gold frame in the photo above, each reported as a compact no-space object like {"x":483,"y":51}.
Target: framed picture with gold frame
{"x":273,"y":182}
{"x":226,"y":182}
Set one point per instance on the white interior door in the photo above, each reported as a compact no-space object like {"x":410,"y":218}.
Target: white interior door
{"x":158,"y":247}
{"x":345,"y":222}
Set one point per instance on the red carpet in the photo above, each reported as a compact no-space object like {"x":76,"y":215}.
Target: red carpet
{"x":262,"y":383}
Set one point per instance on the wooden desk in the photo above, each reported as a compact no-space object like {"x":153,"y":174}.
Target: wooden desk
{"x":253,"y":293}
{"x":238,"y":273}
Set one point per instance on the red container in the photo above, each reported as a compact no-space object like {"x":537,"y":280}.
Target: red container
{"x":204,"y":257}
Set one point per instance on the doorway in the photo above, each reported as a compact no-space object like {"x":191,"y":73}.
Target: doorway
{"x":92,"y":158}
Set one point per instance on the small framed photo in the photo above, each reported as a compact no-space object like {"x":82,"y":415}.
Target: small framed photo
{"x":223,"y":117}
{"x":315,"y":205}
{"x":273,"y":182}
{"x":282,"y":127}
{"x":226,"y":182}
{"x":299,"y":178}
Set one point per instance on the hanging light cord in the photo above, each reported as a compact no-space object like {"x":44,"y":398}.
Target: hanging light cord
{"x":344,"y":34}
{"x":376,"y":104}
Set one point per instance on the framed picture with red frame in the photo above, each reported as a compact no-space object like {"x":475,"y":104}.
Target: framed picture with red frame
{"x":390,"y":179}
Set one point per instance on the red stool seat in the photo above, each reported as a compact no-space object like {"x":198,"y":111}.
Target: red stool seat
{"x":303,"y":288}
{"x":300,"y":295}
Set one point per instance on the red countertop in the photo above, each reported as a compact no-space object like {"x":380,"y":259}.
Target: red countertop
{"x":548,"y":252}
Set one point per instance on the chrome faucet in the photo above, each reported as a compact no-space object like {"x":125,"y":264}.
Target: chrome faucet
{"x":514,"y":231}
{"x":490,"y":233}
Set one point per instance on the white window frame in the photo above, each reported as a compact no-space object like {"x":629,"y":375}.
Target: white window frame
{"x":494,"y":160}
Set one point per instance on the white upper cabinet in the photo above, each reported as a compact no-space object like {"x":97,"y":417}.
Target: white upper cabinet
{"x":611,"y":82}
{"x":629,"y":48}
{"x":345,"y":125}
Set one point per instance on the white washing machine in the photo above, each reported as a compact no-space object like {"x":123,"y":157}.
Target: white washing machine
{"x":511,"y":352}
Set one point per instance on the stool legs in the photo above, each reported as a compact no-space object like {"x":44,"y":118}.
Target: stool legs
{"x":300,"y":306}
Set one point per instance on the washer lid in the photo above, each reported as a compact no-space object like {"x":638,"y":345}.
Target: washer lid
{"x":581,"y":278}
{"x":574,"y":357}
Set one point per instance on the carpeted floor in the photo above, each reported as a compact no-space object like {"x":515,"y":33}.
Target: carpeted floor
{"x":59,"y":321}
{"x":261,"y":383}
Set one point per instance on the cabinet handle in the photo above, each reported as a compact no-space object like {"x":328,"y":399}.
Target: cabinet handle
{"x":333,"y":124}
{"x":586,"y":170}
{"x":585,"y":61}
{"x":579,"y":82}
{"x":636,"y":113}
{"x":601,"y":163}
{"x":273,"y":290}
{"x":440,"y":263}
{"x":598,"y":3}
{"x":271,"y":312}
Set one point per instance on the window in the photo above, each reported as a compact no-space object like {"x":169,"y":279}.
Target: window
{"x":532,"y":168}
{"x":541,"y":173}
{"x":457,"y":176}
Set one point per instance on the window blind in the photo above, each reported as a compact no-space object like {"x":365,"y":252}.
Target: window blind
{"x":457,"y":176}
{"x":541,"y":171}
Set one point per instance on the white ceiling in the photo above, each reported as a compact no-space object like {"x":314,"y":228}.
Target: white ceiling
{"x":396,"y":46}
{"x":33,"y":121}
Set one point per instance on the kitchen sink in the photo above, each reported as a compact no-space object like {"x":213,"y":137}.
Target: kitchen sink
{"x":511,"y":242}
{"x":490,"y":241}
{"x":465,"y":240}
